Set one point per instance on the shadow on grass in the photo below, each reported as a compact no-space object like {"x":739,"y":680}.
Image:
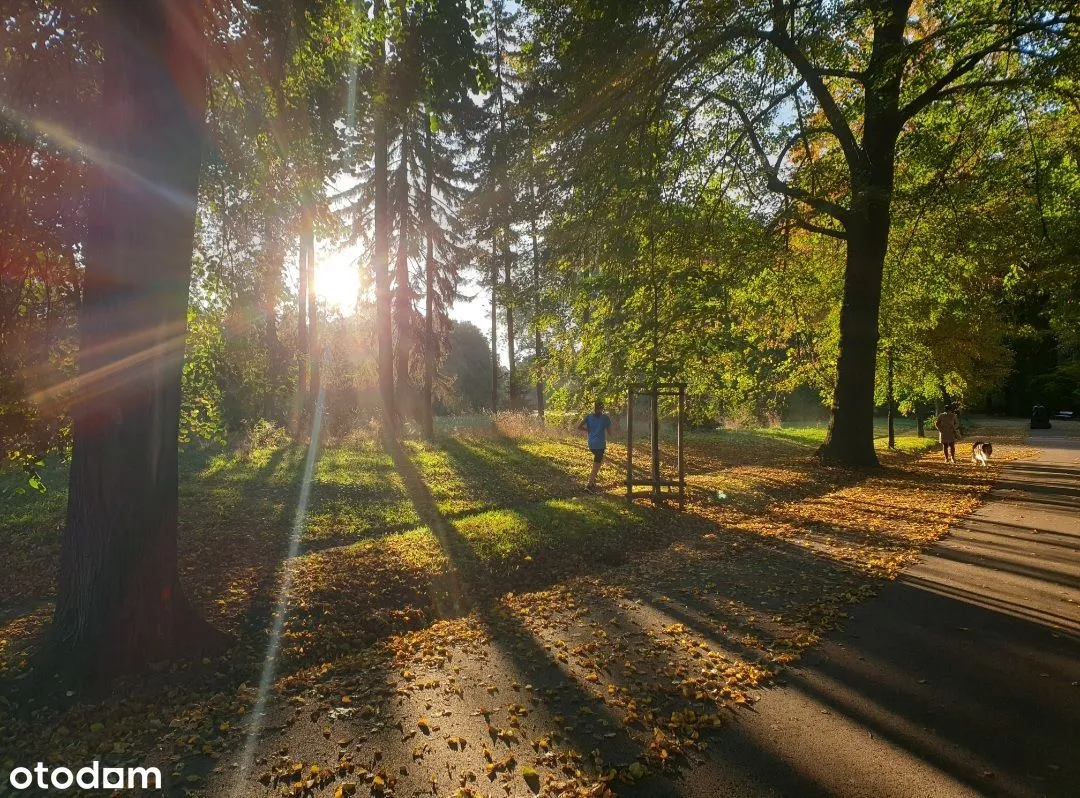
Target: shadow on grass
{"x":467,"y":589}
{"x":504,"y":473}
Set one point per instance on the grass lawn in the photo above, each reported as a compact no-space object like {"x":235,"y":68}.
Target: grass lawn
{"x":475,"y":526}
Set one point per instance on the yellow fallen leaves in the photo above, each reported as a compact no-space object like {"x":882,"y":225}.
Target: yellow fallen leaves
{"x":872,"y":526}
{"x":531,"y":778}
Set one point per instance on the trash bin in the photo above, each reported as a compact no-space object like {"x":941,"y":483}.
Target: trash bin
{"x":1040,"y":417}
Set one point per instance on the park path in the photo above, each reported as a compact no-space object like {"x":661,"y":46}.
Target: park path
{"x":960,"y":678}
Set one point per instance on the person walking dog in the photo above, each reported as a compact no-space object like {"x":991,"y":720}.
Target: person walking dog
{"x":948,"y":427}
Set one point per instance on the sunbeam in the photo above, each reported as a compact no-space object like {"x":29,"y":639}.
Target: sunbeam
{"x":258,"y":712}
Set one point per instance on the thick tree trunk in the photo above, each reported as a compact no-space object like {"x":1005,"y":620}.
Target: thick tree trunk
{"x":119,"y":599}
{"x":381,"y":255}
{"x":312,"y":351}
{"x":850,"y":440}
{"x":402,"y":287}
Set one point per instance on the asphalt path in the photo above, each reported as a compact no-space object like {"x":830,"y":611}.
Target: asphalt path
{"x":960,"y":678}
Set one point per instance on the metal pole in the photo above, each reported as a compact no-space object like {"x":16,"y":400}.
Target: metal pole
{"x":679,"y":434}
{"x":630,"y":444}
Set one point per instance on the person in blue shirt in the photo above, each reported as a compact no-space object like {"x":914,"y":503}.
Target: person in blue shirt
{"x":597,"y":423}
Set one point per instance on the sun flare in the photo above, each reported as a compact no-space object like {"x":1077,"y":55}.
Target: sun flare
{"x":337,"y":279}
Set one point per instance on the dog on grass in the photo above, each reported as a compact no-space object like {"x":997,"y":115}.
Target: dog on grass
{"x":980,"y":453}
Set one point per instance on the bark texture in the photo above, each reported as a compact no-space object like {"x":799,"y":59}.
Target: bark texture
{"x":119,"y":599}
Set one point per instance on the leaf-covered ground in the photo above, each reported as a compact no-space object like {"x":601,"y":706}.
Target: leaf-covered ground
{"x":464,"y":619}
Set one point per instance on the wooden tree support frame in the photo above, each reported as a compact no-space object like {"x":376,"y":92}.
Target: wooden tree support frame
{"x":655,"y":483}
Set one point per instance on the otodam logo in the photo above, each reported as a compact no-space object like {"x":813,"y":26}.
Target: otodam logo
{"x":91,"y":777}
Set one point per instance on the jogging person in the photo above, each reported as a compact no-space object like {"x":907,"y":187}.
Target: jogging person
{"x":597,"y":423}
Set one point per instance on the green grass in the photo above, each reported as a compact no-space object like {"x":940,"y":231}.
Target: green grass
{"x":510,"y":502}
{"x":572,"y":527}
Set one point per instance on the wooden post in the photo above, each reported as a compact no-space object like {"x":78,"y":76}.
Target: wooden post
{"x":890,"y":399}
{"x":630,"y":444}
{"x":679,"y":438}
{"x":655,"y":443}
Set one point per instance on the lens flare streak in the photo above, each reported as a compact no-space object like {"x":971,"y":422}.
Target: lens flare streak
{"x":273,"y":646}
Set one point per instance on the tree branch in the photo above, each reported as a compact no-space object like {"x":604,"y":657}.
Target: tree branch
{"x":779,"y":39}
{"x":847,"y":74}
{"x":975,"y":85}
{"x":825,"y":231}
{"x":837,"y":212}
{"x":967,"y":63}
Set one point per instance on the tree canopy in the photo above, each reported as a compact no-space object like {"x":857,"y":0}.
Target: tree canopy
{"x":768,"y":201}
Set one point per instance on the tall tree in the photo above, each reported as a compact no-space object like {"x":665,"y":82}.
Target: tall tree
{"x":404,"y":295}
{"x":381,"y":250}
{"x":302,"y":347}
{"x":528,"y":169}
{"x":496,"y":194}
{"x":444,"y":234}
{"x":846,"y":82}
{"x":430,"y":64}
{"x":119,"y":601}
{"x":312,"y":349}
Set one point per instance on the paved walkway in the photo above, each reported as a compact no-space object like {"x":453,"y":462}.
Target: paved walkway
{"x":961,"y":678}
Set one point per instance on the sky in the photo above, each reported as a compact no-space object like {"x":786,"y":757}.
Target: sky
{"x":337,"y":283}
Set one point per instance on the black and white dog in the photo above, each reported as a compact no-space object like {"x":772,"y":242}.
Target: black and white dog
{"x":980,"y":453}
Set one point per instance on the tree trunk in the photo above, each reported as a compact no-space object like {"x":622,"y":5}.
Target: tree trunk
{"x":850,"y":439}
{"x":120,"y":603}
{"x":269,"y":295}
{"x":494,"y":326}
{"x":500,"y":223}
{"x":538,"y":341}
{"x":430,"y":342}
{"x":301,"y":401}
{"x":402,"y":287}
{"x":510,"y":354}
{"x":312,"y":353}
{"x":381,"y":264}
